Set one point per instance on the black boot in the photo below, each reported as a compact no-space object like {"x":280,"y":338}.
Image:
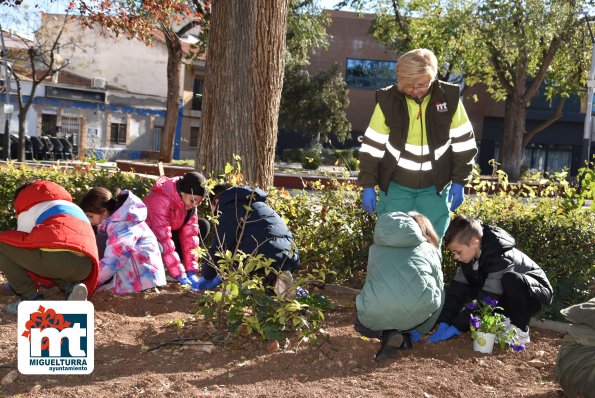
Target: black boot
{"x":392,"y":340}
{"x":407,"y":342}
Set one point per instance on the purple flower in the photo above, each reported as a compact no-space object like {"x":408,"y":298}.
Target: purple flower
{"x":300,"y":292}
{"x":492,"y":302}
{"x":475,"y":322}
{"x":517,"y":348}
{"x":471,"y":306}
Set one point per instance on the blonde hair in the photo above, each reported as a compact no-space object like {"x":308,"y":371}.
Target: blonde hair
{"x":416,"y":63}
{"x":427,"y":229}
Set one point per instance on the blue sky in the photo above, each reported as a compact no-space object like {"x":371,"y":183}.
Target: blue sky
{"x":9,"y":20}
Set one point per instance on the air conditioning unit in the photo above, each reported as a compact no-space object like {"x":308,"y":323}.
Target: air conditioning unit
{"x":99,"y":82}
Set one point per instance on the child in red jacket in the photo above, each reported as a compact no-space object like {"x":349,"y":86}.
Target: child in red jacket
{"x":54,"y":243}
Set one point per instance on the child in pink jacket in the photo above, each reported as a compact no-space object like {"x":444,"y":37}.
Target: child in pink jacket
{"x":132,"y":260}
{"x":171,"y":205}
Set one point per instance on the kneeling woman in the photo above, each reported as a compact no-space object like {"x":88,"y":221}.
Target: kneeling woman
{"x":132,"y":260}
{"x":404,"y":288}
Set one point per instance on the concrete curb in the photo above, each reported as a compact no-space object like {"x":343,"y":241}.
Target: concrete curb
{"x":554,"y":326}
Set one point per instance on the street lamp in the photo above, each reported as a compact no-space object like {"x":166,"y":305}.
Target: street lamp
{"x":589,"y":111}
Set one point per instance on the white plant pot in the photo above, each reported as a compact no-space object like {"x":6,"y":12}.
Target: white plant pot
{"x":484,"y":342}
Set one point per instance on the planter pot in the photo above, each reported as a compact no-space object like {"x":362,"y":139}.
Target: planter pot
{"x":484,"y":342}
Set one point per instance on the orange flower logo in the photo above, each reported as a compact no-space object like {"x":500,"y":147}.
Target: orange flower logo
{"x":43,"y":319}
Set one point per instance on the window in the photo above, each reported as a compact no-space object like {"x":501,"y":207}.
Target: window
{"x":118,"y":134}
{"x":48,"y":124}
{"x":559,"y":158}
{"x":365,"y":73}
{"x":197,"y":94}
{"x":71,"y":128}
{"x":157,"y":139}
{"x":551,"y":158}
{"x":194,"y":131}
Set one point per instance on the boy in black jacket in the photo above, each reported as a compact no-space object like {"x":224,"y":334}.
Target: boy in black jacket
{"x":490,"y":265}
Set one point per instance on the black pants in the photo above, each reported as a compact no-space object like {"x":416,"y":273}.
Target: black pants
{"x":204,"y":227}
{"x":521,"y":298}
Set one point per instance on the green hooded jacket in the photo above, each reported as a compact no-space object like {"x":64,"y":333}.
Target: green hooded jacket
{"x":404,"y":286}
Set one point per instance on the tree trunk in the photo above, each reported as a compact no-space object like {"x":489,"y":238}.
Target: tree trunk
{"x":174,"y":60}
{"x":21,"y":142}
{"x":245,"y":61}
{"x":511,"y":146}
{"x":22,"y":120}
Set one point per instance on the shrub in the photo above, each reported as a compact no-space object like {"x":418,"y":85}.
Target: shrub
{"x":245,"y":305}
{"x":293,"y":155}
{"x":312,"y":159}
{"x":76,"y":181}
{"x":329,"y":227}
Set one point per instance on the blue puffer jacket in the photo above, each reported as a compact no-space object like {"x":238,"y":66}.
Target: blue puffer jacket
{"x":404,"y":287}
{"x":264,"y":233}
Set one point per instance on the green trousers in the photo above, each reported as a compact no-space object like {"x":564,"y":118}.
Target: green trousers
{"x":424,"y":200}
{"x":63,"y":267}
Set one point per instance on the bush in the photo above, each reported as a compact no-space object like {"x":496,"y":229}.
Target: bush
{"x":76,"y":181}
{"x":293,"y":155}
{"x":332,"y":233}
{"x":312,"y":158}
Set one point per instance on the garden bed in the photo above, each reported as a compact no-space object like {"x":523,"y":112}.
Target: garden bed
{"x":136,"y":355}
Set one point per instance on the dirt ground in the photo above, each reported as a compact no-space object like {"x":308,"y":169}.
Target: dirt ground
{"x":133,"y":359}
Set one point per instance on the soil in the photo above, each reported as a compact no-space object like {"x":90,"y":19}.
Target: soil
{"x":137,"y":355}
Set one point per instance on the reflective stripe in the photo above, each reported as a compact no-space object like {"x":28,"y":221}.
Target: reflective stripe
{"x":464,"y":146}
{"x":411,"y":165}
{"x":442,"y":150}
{"x":393,"y":151}
{"x":417,"y":150}
{"x":461,"y":130}
{"x":377,"y":153}
{"x":376,"y":136}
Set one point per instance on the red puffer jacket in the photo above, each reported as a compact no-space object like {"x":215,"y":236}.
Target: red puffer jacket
{"x":63,"y":226}
{"x":166,"y":213}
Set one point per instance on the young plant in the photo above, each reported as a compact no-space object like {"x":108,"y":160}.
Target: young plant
{"x":246,"y":305}
{"x":486,"y":319}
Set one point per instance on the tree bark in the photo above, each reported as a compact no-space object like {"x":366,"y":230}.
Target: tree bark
{"x":511,"y":146}
{"x":174,"y":60}
{"x":245,"y":62}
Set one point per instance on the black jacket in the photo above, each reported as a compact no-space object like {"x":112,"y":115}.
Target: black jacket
{"x":498,"y":256}
{"x":262,"y":232}
{"x":447,"y":164}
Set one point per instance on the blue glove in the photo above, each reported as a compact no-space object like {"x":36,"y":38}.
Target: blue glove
{"x":183,"y":279}
{"x":415,"y":335}
{"x":193,"y":279}
{"x":456,"y":195}
{"x":369,"y":200}
{"x":205,"y":284}
{"x":444,"y":332}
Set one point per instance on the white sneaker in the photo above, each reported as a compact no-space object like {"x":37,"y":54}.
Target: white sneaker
{"x":521,"y":337}
{"x":78,"y":292}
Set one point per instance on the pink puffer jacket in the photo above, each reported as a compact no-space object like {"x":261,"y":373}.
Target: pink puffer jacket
{"x":165,"y":214}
